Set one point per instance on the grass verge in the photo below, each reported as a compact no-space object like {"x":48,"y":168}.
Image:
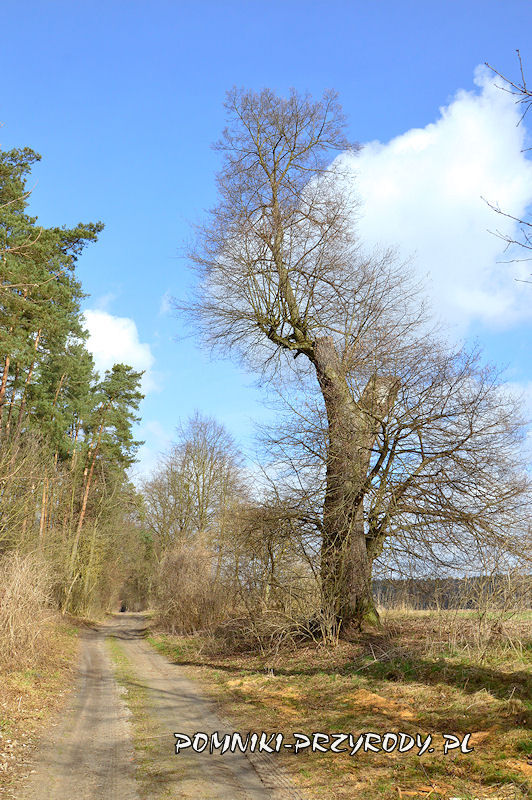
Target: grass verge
{"x":31,"y":694}
{"x":415,"y":676}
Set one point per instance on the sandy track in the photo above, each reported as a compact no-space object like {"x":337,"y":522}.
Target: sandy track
{"x":89,"y":755}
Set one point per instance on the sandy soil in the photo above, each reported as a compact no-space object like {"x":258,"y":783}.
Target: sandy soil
{"x":89,"y":754}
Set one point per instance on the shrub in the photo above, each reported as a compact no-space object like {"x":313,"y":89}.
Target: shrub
{"x":25,"y":607}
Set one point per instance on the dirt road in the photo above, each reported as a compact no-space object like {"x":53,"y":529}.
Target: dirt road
{"x":89,"y":755}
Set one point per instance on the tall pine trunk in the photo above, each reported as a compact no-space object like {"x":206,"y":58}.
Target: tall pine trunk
{"x":3,"y":383}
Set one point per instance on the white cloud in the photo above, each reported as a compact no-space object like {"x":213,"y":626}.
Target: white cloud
{"x":166,"y":304}
{"x":115,"y":340}
{"x":423,"y":190}
{"x":523,"y":391}
{"x":103,"y":302}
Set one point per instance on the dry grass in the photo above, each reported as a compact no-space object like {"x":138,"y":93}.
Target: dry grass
{"x":37,"y":654}
{"x":30,"y":695}
{"x":427,"y":673}
{"x":25,"y":612}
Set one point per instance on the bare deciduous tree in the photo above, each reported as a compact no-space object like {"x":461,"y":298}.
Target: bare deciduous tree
{"x":447,"y":490}
{"x":195,"y":484}
{"x":282,"y":273}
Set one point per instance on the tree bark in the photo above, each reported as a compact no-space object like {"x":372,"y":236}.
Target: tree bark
{"x":26,"y":384}
{"x":352,"y":427}
{"x":5,"y":373}
{"x":88,"y":473}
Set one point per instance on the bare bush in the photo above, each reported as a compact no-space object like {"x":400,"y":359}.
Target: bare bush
{"x":188,"y":597}
{"x":25,"y":609}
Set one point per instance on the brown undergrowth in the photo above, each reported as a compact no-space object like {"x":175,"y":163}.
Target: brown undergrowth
{"x":31,"y":690}
{"x":423,"y":673}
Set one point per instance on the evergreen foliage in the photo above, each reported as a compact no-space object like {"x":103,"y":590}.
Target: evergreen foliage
{"x":66,"y":438}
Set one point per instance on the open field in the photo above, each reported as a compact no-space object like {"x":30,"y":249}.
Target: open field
{"x":423,"y":673}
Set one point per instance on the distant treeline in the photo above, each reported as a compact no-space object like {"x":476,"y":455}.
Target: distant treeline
{"x":501,"y":591}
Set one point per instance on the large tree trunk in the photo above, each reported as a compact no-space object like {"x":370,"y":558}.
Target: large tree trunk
{"x":352,"y":428}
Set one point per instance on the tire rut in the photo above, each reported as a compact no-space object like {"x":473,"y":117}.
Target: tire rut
{"x":179,"y":706}
{"x":89,"y":754}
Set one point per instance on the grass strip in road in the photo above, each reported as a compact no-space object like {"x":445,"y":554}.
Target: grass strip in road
{"x":151,"y":771}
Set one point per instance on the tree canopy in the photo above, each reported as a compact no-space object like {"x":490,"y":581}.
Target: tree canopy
{"x":418,"y":440}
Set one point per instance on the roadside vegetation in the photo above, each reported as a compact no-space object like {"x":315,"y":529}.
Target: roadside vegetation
{"x":65,"y":431}
{"x":38,"y":651}
{"x":423,"y":672}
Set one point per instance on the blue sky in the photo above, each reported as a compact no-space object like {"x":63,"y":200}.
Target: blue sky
{"x":123,"y":100}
